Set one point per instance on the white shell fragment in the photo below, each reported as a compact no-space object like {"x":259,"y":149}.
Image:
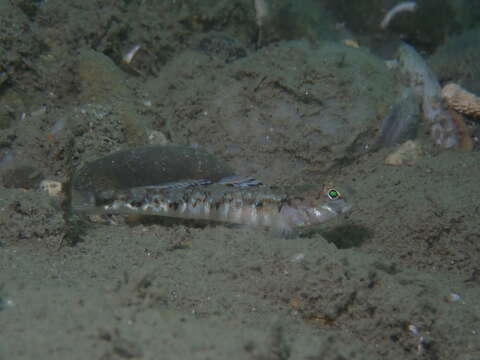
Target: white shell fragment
{"x":404,"y":6}
{"x":128,"y":57}
{"x":298,"y":257}
{"x":406,"y":154}
{"x":413,"y":329}
{"x":52,"y":187}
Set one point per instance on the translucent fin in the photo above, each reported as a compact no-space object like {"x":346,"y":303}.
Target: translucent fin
{"x":284,"y":232}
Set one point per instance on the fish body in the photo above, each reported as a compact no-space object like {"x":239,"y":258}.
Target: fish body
{"x":181,"y":182}
{"x":236,"y":202}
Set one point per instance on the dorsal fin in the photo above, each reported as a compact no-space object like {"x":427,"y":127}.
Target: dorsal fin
{"x":235,"y":181}
{"x":181,"y":184}
{"x":239,"y":181}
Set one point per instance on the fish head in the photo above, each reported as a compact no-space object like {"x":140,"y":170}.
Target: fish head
{"x":314,"y":207}
{"x":330,"y":203}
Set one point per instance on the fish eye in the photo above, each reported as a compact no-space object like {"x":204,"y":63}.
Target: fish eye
{"x":333,"y":194}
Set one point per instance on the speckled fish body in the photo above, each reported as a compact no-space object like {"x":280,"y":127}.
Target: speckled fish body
{"x":182,"y":182}
{"x":250,"y":203}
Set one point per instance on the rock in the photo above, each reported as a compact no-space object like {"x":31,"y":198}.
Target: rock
{"x":286,"y":112}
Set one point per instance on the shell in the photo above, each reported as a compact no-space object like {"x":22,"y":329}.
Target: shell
{"x":352,"y":43}
{"x":406,"y":154}
{"x":52,"y":187}
{"x":461,"y":100}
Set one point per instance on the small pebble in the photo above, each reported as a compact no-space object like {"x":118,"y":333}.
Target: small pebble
{"x":157,"y":138}
{"x":4,"y":303}
{"x":452,"y":297}
{"x":413,"y":329}
{"x":53,"y":188}
{"x":298,"y":257}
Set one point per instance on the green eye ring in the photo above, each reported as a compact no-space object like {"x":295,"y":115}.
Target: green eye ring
{"x":333,"y":194}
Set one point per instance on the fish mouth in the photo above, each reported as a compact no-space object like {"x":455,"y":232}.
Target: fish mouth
{"x":336,"y":207}
{"x":326,"y":212}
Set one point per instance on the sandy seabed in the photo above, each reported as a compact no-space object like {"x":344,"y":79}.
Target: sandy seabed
{"x":397,"y":278}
